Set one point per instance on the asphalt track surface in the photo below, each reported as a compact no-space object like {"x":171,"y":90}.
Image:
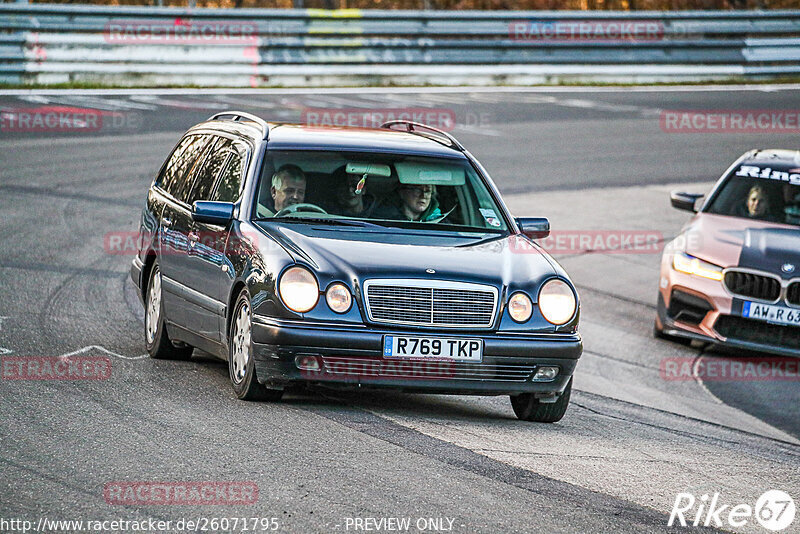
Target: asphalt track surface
{"x":631,"y":441}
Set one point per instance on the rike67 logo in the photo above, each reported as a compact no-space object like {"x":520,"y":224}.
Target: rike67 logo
{"x":774,"y":511}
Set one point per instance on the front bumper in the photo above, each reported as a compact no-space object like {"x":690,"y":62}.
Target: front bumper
{"x":730,"y":330}
{"x":352,"y":357}
{"x":136,"y":275}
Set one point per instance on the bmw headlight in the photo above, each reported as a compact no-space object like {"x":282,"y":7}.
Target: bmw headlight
{"x":690,"y":265}
{"x":338,"y":297}
{"x":298,"y":289}
{"x":557,"y":301}
{"x":520,"y":307}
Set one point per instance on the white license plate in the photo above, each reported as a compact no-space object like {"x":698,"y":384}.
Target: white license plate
{"x":432,"y":348}
{"x":771,"y":314}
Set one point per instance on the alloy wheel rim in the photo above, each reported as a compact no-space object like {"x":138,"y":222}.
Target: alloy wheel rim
{"x":241,"y":344}
{"x":153,"y":308}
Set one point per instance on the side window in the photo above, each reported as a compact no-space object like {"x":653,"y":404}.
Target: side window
{"x":206,"y":176}
{"x":230,"y":183}
{"x":180,"y":162}
{"x":184,"y":186}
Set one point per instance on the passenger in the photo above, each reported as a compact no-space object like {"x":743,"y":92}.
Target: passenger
{"x":411,"y":203}
{"x":791,"y":203}
{"x":288,"y":186}
{"x":349,"y":199}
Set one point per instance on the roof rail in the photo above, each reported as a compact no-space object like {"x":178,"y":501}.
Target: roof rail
{"x":414,"y":127}
{"x":237,"y":116}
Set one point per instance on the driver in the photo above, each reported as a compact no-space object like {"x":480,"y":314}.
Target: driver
{"x":288,"y":186}
{"x":756,"y":205}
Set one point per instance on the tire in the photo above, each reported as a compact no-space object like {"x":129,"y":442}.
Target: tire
{"x":241,"y":368}
{"x":528,"y":408}
{"x":159,"y":346}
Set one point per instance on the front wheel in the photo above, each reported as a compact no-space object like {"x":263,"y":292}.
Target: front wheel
{"x":528,"y":408}
{"x":241,"y":367}
{"x":159,"y":346}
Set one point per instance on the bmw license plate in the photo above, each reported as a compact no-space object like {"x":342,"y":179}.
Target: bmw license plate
{"x":771,"y":314}
{"x":432,"y":348}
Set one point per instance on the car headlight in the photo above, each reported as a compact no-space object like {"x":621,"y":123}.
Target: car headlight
{"x":557,"y":301}
{"x":520,"y":307}
{"x":298,"y":289}
{"x":338,"y":298}
{"x":690,"y":265}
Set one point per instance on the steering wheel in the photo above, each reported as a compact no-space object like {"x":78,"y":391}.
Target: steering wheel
{"x":294,"y":208}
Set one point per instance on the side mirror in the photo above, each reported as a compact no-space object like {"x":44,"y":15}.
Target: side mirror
{"x":684,"y":201}
{"x":219,"y":213}
{"x":534,"y":227}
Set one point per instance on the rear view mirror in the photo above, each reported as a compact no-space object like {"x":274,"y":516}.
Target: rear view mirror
{"x":685,"y":201}
{"x":534,"y":227}
{"x":372,"y":169}
{"x":219,"y":213}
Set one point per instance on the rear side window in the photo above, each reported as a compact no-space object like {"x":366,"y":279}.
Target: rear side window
{"x":175,"y":175}
{"x":230,"y":183}
{"x":206,"y":176}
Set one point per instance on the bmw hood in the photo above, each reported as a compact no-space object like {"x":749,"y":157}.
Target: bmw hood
{"x":736,"y":242}
{"x":359,"y":254}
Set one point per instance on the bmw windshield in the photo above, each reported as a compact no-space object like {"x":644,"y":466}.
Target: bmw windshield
{"x":760,"y":193}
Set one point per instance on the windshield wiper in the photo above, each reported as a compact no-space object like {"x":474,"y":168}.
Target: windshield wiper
{"x":323,"y":220}
{"x":417,"y":225}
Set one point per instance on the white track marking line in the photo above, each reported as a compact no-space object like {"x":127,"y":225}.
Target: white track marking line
{"x":101,"y":349}
{"x":408,"y":90}
{"x":189,"y":105}
{"x":240,"y":102}
{"x":97,"y":102}
{"x":699,"y":380}
{"x":3,"y":350}
{"x":590,"y":104}
{"x":476,"y":130}
{"x":34,"y":99}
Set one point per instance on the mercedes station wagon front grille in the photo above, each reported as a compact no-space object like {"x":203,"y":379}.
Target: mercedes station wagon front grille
{"x":793,"y":294}
{"x":751,"y":285}
{"x":431,"y":303}
{"x":364,"y":369}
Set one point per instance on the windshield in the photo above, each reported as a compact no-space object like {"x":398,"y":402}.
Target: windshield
{"x":760,"y":193}
{"x":385,"y":189}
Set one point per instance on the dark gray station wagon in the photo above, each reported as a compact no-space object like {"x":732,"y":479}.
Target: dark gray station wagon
{"x":352,"y":258}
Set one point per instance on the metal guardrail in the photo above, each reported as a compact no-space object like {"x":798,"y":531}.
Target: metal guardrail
{"x":144,"y":46}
